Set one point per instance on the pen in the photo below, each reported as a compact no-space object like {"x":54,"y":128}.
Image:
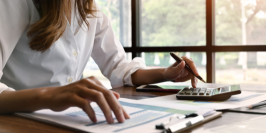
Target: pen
{"x":178,"y":59}
{"x":183,"y":125}
{"x":162,"y":125}
{"x":256,"y":105}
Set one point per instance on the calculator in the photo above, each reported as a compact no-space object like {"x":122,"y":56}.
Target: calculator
{"x":208,"y":94}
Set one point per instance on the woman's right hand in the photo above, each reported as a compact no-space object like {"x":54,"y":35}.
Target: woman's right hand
{"x":80,"y":94}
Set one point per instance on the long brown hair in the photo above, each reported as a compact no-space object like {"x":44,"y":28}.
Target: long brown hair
{"x":53,"y":22}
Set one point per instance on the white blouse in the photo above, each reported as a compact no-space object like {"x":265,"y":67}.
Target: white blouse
{"x":65,"y":60}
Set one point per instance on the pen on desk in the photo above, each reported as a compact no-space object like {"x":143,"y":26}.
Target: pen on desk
{"x":256,"y":105}
{"x":178,"y":59}
{"x":183,"y":125}
{"x":162,"y":125}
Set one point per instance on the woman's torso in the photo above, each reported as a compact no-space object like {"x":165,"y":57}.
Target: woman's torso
{"x":61,"y":64}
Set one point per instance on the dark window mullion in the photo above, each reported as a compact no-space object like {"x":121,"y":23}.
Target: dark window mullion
{"x":136,"y":26}
{"x":240,"y":48}
{"x":210,"y":40}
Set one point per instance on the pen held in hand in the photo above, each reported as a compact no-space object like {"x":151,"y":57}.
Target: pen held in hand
{"x":178,"y":59}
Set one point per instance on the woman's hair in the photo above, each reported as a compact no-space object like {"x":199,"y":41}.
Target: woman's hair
{"x":53,"y":21}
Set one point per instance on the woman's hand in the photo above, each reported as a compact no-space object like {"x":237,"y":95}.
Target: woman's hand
{"x":80,"y":94}
{"x":178,"y":73}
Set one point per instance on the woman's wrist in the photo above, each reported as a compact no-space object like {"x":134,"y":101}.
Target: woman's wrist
{"x":43,"y":98}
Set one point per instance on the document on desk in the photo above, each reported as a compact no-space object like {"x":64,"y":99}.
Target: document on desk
{"x":253,"y":125}
{"x":144,"y":117}
{"x":241,"y":100}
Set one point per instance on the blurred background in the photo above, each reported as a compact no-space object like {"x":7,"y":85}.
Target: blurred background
{"x":178,"y":23}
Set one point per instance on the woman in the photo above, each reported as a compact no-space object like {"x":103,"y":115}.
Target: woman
{"x":45,"y":45}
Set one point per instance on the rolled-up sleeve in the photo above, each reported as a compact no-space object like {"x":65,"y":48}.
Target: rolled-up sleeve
{"x":3,"y":87}
{"x":14,"y":18}
{"x":110,"y":56}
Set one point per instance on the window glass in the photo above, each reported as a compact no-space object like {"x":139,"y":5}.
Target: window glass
{"x":241,"y":68}
{"x":240,"y":22}
{"x":119,"y":12}
{"x":173,"y":23}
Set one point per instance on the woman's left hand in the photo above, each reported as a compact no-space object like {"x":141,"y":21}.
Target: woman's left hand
{"x":178,"y":73}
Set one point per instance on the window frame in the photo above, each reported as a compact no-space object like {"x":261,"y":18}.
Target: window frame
{"x":210,"y":48}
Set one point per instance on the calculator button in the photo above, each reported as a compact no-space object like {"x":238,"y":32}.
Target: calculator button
{"x":216,"y":91}
{"x":195,"y":91}
{"x":188,"y":91}
{"x":202,"y":91}
{"x":208,"y":92}
{"x":181,"y":93}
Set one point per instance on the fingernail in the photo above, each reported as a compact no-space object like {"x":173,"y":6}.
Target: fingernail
{"x":121,"y":118}
{"x":93,"y":119}
{"x":110,"y":120}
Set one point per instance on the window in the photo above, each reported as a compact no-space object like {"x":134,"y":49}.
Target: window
{"x":227,"y":35}
{"x":173,"y":23}
{"x":240,"y":22}
{"x":119,"y":13}
{"x":225,"y":38}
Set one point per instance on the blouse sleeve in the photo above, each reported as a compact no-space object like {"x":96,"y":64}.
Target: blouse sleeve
{"x":14,"y":18}
{"x":110,"y":56}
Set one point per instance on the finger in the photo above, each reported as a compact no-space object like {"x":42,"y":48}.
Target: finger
{"x":183,"y":79}
{"x":110,"y":98}
{"x":85,"y":106}
{"x":94,"y":79}
{"x":127,"y":116}
{"x":191,"y":65}
{"x":98,"y":97}
{"x":194,"y":81}
{"x":117,"y":95}
{"x":175,"y":64}
{"x":101,"y":101}
{"x":182,"y":73}
{"x":181,"y":65}
{"x":178,"y":69}
{"x":115,"y":106}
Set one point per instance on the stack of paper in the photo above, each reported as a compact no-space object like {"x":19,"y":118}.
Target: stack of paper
{"x":144,"y":117}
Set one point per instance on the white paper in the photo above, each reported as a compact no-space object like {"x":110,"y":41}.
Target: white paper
{"x":144,"y":117}
{"x":240,"y":100}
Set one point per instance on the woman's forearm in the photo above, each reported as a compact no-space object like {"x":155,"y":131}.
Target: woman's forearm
{"x":175,"y":72}
{"x":77,"y":94}
{"x":148,"y":76}
{"x":21,"y":101}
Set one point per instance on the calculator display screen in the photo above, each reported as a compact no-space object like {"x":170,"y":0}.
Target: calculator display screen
{"x":229,"y":88}
{"x":235,"y":87}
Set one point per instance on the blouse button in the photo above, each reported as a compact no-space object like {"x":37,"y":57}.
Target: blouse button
{"x":75,"y":53}
{"x":69,"y":80}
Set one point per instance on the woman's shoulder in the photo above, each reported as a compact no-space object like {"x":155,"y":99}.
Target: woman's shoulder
{"x":14,"y":4}
{"x":13,"y":8}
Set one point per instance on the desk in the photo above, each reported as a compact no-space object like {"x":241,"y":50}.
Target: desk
{"x":16,"y":124}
